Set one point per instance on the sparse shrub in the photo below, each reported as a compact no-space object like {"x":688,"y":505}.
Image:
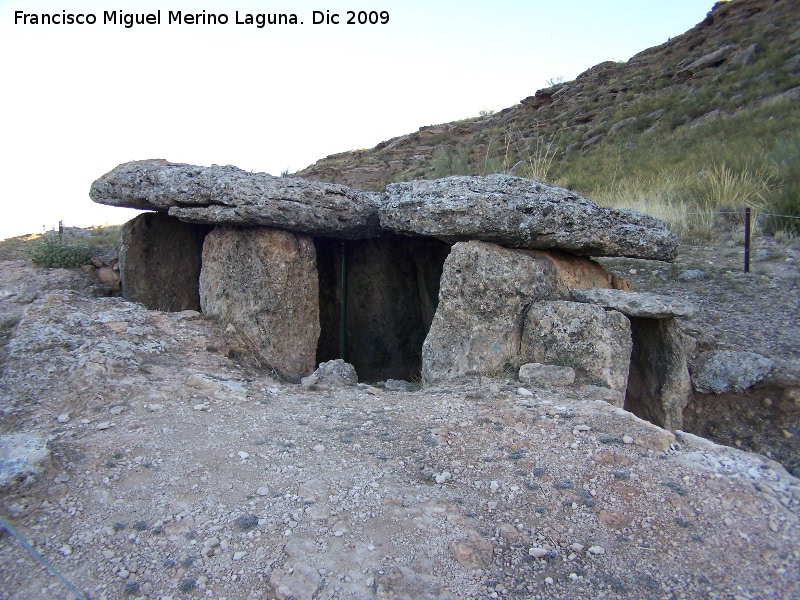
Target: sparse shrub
{"x":53,"y":251}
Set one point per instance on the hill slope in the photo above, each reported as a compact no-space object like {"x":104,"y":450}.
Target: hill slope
{"x":720,"y":99}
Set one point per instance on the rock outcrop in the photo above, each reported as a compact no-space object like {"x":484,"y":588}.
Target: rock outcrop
{"x":265,"y":283}
{"x":521,"y":213}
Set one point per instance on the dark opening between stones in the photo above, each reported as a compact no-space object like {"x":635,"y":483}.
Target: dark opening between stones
{"x":392,"y":293}
{"x":658,"y":379}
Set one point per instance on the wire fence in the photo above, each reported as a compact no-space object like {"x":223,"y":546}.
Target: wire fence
{"x":42,"y":560}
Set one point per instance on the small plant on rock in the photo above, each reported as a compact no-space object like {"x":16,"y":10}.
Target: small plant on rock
{"x":53,"y":251}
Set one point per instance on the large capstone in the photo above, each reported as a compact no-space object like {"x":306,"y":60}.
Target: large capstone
{"x":231,"y":196}
{"x":521,"y":213}
{"x":264,"y":282}
{"x":485,"y":292}
{"x":159,"y":262}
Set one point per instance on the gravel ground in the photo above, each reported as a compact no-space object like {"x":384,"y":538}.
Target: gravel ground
{"x":178,"y":472}
{"x":757,"y":311}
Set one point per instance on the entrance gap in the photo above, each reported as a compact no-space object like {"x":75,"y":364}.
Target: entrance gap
{"x":392,"y":290}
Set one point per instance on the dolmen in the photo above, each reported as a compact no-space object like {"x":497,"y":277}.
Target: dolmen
{"x":431,"y":279}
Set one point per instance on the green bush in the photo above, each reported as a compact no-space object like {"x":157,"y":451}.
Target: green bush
{"x":53,"y":251}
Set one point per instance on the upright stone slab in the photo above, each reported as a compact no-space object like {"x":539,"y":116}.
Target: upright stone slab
{"x":485,"y":292}
{"x":596,"y":343}
{"x":264,"y":282}
{"x":159,"y":262}
{"x":482,"y":296}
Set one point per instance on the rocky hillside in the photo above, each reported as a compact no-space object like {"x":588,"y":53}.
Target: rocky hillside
{"x":733,"y":80}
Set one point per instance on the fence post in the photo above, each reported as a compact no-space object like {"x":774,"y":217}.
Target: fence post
{"x":343,"y":307}
{"x":747,"y":240}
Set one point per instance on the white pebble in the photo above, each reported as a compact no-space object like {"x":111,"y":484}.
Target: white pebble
{"x":626,"y":439}
{"x":524,"y":392}
{"x":263,"y":491}
{"x":63,"y":418}
{"x":239,"y":555}
{"x":243,"y":454}
{"x":597,"y":550}
{"x":103,"y":425}
{"x":445,"y":476}
{"x":537,"y":552}
{"x":319,"y":448}
{"x":66,"y":550}
{"x":548,"y":580}
{"x":576,"y":547}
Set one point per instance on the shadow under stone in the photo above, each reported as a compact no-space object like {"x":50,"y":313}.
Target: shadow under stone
{"x":392,"y":290}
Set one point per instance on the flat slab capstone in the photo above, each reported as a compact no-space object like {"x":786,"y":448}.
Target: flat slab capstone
{"x":228,"y":195}
{"x":522,"y":213}
{"x":635,"y":304}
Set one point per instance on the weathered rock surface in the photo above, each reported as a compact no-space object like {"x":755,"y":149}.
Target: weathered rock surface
{"x":485,"y":291}
{"x":159,"y":262}
{"x":595,"y":342}
{"x":726,"y":370}
{"x":659,"y":386}
{"x":22,"y":456}
{"x":483,"y":294}
{"x":522,"y":213}
{"x":537,"y":373}
{"x":635,"y":304}
{"x":264,"y":282}
{"x":331,"y":374}
{"x":231,"y":196}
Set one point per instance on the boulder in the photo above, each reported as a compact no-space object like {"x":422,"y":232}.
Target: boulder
{"x":331,"y":374}
{"x":483,"y":294}
{"x":159,"y":262}
{"x":725,"y":370}
{"x":595,"y":342}
{"x":522,"y":213}
{"x":552,"y":375}
{"x":264,"y":282}
{"x":231,"y":196}
{"x":635,"y":304}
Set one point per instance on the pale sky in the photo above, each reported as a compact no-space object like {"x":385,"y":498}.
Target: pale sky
{"x":77,"y":100}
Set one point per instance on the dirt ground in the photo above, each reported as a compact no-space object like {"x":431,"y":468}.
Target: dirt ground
{"x":177,"y":470}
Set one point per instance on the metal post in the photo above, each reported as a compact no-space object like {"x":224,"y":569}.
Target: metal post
{"x":746,"y":240}
{"x":343,"y":308}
